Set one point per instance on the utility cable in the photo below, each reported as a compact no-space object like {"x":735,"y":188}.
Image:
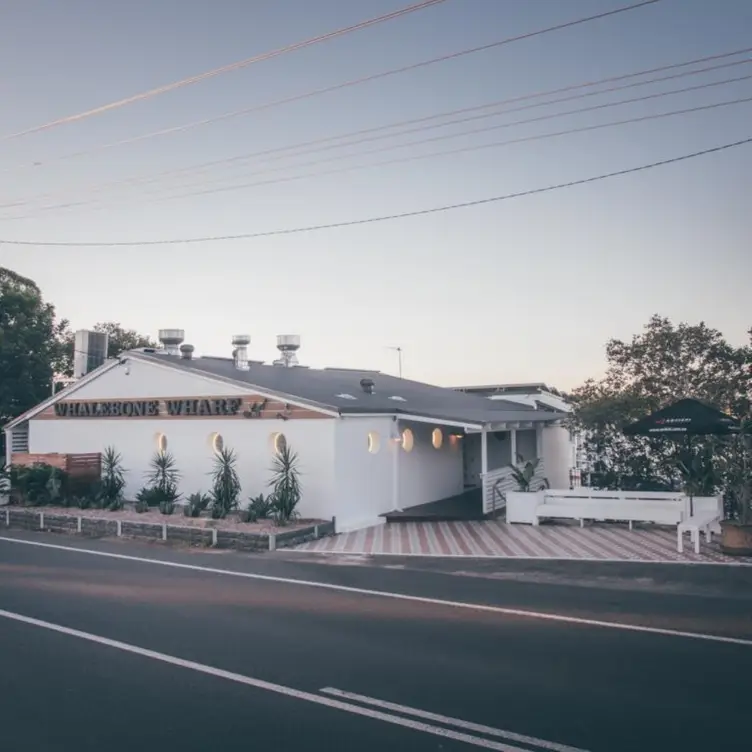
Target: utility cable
{"x":151,"y":93}
{"x":382,"y":218}
{"x":155,"y":197}
{"x":423,"y":123}
{"x":335,"y":87}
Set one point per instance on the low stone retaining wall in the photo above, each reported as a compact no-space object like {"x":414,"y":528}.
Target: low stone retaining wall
{"x":95,"y":527}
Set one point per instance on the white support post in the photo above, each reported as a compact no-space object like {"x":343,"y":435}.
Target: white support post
{"x":397,"y":447}
{"x":539,"y":442}
{"x":78,"y":523}
{"x":41,"y":520}
{"x":164,"y":531}
{"x":513,"y":446}
{"x":214,"y":537}
{"x":484,"y":467}
{"x":119,"y":528}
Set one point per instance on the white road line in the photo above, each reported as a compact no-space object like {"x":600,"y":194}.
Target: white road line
{"x":264,"y":685}
{"x":467,"y":725}
{"x":500,"y":610}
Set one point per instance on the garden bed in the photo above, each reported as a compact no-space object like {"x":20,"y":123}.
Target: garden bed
{"x":176,"y":528}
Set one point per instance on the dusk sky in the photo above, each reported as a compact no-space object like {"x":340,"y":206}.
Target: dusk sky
{"x":527,"y":289}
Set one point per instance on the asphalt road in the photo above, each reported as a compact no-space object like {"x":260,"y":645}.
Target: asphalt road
{"x":99,"y":652}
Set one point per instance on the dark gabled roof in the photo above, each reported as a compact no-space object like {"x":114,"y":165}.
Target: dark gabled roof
{"x":329,"y":389}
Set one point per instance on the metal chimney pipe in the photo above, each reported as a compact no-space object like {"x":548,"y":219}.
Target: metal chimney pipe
{"x":240,"y":344}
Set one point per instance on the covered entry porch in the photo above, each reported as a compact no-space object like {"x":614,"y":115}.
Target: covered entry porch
{"x":476,"y":471}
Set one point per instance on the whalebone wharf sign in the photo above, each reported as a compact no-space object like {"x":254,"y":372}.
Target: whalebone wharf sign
{"x":151,"y":408}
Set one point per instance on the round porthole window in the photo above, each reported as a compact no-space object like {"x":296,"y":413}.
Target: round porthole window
{"x":437,"y":438}
{"x":408,"y":440}
{"x":161,"y":441}
{"x":217,"y":443}
{"x":374,"y":442}
{"x":279,"y":443}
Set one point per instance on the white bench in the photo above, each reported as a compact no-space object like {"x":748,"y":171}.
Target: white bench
{"x":660,"y":514}
{"x":694,"y":525}
{"x":631,"y":507}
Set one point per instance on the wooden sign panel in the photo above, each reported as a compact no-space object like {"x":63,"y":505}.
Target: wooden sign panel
{"x":248,"y":407}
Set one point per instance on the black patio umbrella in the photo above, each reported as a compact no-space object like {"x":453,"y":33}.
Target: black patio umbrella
{"x":683,"y":420}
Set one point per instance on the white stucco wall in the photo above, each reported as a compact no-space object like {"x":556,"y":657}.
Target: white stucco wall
{"x":189,"y":442}
{"x":557,"y":455}
{"x":141,"y":379}
{"x":427,"y":474}
{"x":364,"y":480}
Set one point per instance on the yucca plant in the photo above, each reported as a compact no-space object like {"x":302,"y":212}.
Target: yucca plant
{"x":524,"y":476}
{"x":285,"y":484}
{"x":112,"y":483}
{"x":162,"y":480}
{"x":225,"y":484}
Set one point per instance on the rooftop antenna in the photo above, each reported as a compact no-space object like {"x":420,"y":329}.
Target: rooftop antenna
{"x":398,"y":350}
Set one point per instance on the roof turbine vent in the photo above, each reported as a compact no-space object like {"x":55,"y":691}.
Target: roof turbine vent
{"x":240,"y":344}
{"x":171,"y":340}
{"x":367,"y":385}
{"x":288,"y":346}
{"x":186,"y":352}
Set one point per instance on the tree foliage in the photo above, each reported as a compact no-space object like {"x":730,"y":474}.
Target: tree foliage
{"x":664,"y":363}
{"x":32,"y":346}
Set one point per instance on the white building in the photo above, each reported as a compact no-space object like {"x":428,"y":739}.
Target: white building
{"x":368,"y":443}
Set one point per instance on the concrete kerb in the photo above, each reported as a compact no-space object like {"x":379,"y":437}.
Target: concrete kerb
{"x":101,"y":527}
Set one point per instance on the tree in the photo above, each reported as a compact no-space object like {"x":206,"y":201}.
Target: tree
{"x":32,"y":346}
{"x":118,"y":340}
{"x":662,"y":364}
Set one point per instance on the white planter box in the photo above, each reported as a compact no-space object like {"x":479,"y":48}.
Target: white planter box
{"x":521,"y":506}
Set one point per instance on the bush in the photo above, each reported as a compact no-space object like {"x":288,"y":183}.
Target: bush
{"x":225,"y":484}
{"x":166,"y":507}
{"x":112,"y":483}
{"x":259,"y":508}
{"x":151,"y":496}
{"x":142,"y":506}
{"x":37,"y":484}
{"x":197,"y":503}
{"x":286,"y":489}
{"x":163,"y":476}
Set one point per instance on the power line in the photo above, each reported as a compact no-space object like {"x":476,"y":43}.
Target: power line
{"x":485,"y":129}
{"x":464,"y":149}
{"x":151,"y":93}
{"x":383,"y":218}
{"x":278,"y":153}
{"x":353,"y":82}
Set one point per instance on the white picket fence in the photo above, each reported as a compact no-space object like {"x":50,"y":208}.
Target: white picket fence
{"x":497,"y":482}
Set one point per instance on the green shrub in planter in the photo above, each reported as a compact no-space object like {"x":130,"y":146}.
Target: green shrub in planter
{"x":225,"y":484}
{"x":112,"y":483}
{"x":259,"y":508}
{"x":286,"y":488}
{"x":142,"y":506}
{"x":197,"y":503}
{"x":166,"y":507}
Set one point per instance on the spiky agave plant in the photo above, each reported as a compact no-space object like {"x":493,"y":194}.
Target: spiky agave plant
{"x":163,"y":477}
{"x":226,"y":488}
{"x":112,"y":482}
{"x":285,"y":485}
